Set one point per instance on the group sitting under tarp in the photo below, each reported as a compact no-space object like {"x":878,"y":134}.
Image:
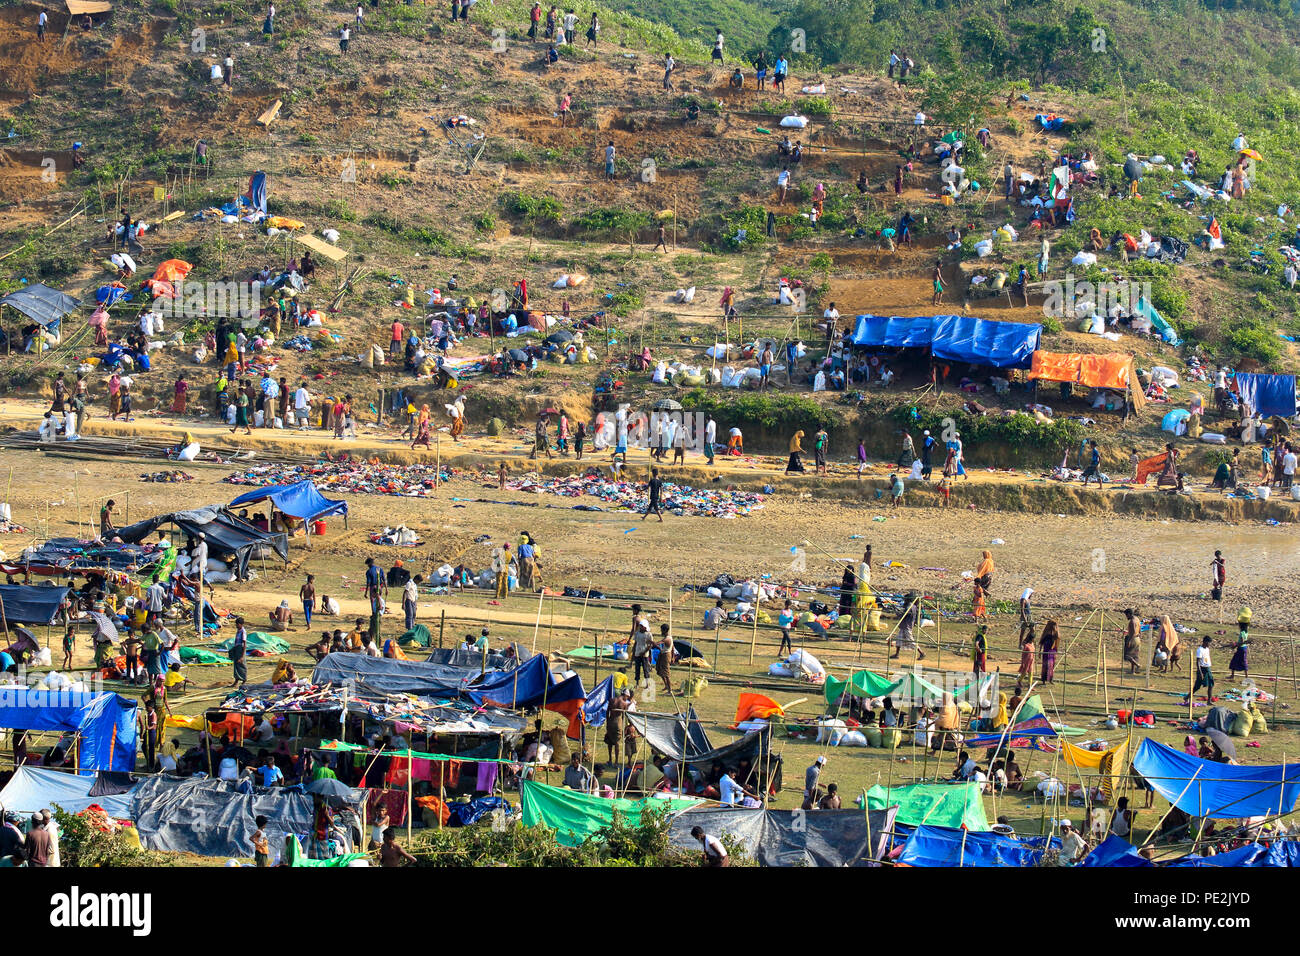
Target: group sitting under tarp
{"x":956,"y":338}
{"x":1206,"y":788}
{"x":105,"y":724}
{"x":299,"y":500}
{"x":31,"y":603}
{"x":226,"y":534}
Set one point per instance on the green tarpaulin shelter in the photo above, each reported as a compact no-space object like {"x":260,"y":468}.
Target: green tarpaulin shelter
{"x":576,"y":816}
{"x":861,"y":684}
{"x":933,"y":804}
{"x":416,"y":635}
{"x":259,"y":641}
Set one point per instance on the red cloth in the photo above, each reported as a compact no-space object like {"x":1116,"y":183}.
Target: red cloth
{"x":755,"y":706}
{"x":394,"y":801}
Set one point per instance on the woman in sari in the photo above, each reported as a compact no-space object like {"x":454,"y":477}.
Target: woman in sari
{"x":1048,"y":646}
{"x":1167,"y":643}
{"x":1240,"y":661}
{"x":422,"y":427}
{"x":865,"y":599}
{"x":457,"y":412}
{"x":1132,"y":640}
{"x":978,"y":609}
{"x":795,"y":464}
{"x":1026,"y":671}
{"x":848,"y":585}
{"x":178,"y":399}
{"x":984,"y":573}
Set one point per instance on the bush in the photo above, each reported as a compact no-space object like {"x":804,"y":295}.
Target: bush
{"x":612,"y":222}
{"x":82,"y":844}
{"x":532,"y":208}
{"x":1250,"y":338}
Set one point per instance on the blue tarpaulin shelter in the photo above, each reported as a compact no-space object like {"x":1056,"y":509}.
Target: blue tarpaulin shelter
{"x":105,"y":723}
{"x":30,"y":603}
{"x":964,"y":338}
{"x":1267,"y":394}
{"x":948,"y":846}
{"x":1203,"y":788}
{"x":958,"y":338}
{"x":893,"y":332}
{"x":1280,"y":853}
{"x":389,"y":676}
{"x":1115,"y":851}
{"x":39,"y":788}
{"x":298,"y":500}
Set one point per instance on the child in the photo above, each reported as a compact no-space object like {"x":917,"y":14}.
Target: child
{"x":896,"y":487}
{"x":67,"y":649}
{"x":862,"y":459}
{"x":945,"y":488}
{"x":502,"y":470}
{"x":978,"y":609}
{"x":785,"y":619}
{"x":261,"y":845}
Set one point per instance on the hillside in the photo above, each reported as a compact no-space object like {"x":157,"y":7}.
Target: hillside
{"x":536,"y":203}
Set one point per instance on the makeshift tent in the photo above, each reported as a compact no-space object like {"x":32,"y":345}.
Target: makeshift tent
{"x":1267,"y":394}
{"x":1158,"y":323}
{"x":38,"y":788}
{"x":893,"y":332}
{"x":964,"y":338}
{"x":861,"y":684}
{"x":64,"y":556}
{"x":948,"y":846}
{"x":41,"y":304}
{"x":418,"y":635}
{"x":226,"y":533}
{"x":1110,"y":765}
{"x":575,"y":816}
{"x":1115,"y":851}
{"x":1203,"y":788}
{"x":212,"y":818}
{"x":913,"y":688}
{"x":83,"y":7}
{"x":384,"y":675}
{"x":30,"y":603}
{"x":1115,"y":371}
{"x":941,"y":804}
{"x":172,"y":270}
{"x":791,"y":837}
{"x":105,"y":724}
{"x":1025,"y":733}
{"x":1278,"y":853}
{"x":460,"y":657}
{"x":300,"y":500}
{"x":678,"y":737}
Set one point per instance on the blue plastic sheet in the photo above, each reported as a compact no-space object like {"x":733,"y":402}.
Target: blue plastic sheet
{"x":298,"y":500}
{"x":1115,"y":851}
{"x":595,"y":710}
{"x":1268,"y":394}
{"x":944,"y":846}
{"x":107,"y":722}
{"x":1203,"y":788}
{"x":964,"y":338}
{"x":879,"y":331}
{"x":30,"y":603}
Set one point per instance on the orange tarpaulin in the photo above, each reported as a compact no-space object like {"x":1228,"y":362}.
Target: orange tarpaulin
{"x":172,"y":270}
{"x":756,"y":707}
{"x":1055,"y":366}
{"x":1105,"y":371}
{"x":1093,"y":371}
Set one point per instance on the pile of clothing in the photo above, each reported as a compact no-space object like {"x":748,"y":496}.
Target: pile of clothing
{"x":631,"y":496}
{"x":399,"y":537}
{"x":166,"y":477}
{"x":361,"y":477}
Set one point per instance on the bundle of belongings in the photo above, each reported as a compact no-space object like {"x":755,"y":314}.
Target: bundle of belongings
{"x":401,"y":537}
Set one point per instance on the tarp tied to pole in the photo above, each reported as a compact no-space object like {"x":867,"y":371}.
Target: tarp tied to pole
{"x":226,"y":533}
{"x":31,"y":603}
{"x":940,"y":804}
{"x":1267,"y":394}
{"x":299,"y":500}
{"x":38,"y":788}
{"x":896,"y":332}
{"x":791,"y":837}
{"x":577,"y":816}
{"x":945,"y":846}
{"x":1204,"y":788}
{"x":1114,"y":371}
{"x":105,"y":723}
{"x":956,"y":338}
{"x":41,"y":304}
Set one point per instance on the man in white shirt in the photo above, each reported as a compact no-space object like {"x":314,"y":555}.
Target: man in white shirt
{"x":1204,"y":676}
{"x":783,"y":182}
{"x":1288,"y":467}
{"x":155,"y":595}
{"x":715,"y":854}
{"x":714,"y":616}
{"x":731,"y":793}
{"x":1073,"y":847}
{"x":570,"y":25}
{"x":710,"y":436}
{"x":42,"y":22}
{"x":832,"y":317}
{"x":410,"y":595}
{"x":302,"y":405}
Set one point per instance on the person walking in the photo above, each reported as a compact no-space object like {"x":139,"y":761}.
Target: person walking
{"x":237,"y":652}
{"x":307,"y":594}
{"x":1204,"y":674}
{"x":1218,"y":576}
{"x":655,"y":488}
{"x":534,"y":18}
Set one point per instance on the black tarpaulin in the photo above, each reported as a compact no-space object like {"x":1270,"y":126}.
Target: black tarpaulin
{"x":226,"y":534}
{"x":792,"y":837}
{"x":211,"y":818}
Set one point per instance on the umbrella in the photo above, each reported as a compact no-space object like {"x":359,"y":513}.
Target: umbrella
{"x":1223,"y":742}
{"x":1133,"y":168}
{"x":329,"y":787}
{"x":666,"y":405}
{"x":518,"y":355}
{"x":1251,"y":154}
{"x":562,"y":337}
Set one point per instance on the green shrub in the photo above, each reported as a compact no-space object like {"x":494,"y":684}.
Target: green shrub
{"x":532,"y":208}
